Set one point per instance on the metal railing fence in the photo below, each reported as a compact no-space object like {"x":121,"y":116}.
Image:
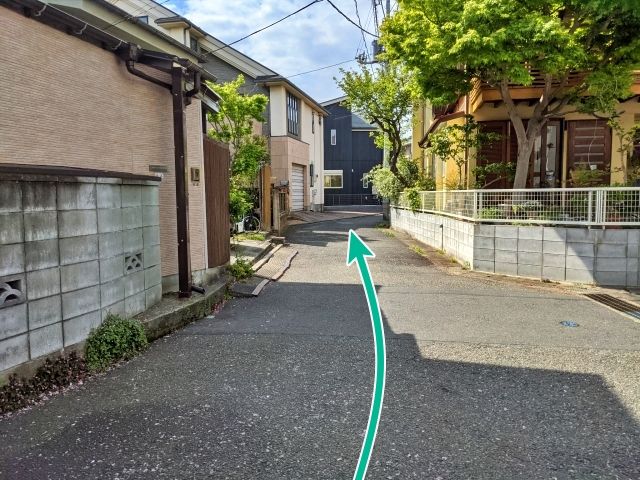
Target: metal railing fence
{"x":333,"y":199}
{"x":604,"y":206}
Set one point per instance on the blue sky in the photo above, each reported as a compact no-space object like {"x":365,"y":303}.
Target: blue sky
{"x":314,"y":38}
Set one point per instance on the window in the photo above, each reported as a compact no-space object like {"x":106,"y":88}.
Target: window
{"x":193,"y":43}
{"x":293,"y":112}
{"x":313,"y":122}
{"x":365,"y":182}
{"x":333,"y":179}
{"x":144,"y":19}
{"x":333,"y":136}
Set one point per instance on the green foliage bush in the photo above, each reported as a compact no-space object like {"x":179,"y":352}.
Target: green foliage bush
{"x":385,"y":182}
{"x":116,"y":339}
{"x":249,"y":159}
{"x":412,"y":196}
{"x":53,"y":375}
{"x":239,"y":202}
{"x":489,"y":213}
{"x":241,"y":269}
{"x":389,"y":186}
{"x":500,"y":170}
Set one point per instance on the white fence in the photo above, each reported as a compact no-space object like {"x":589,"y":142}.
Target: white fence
{"x":605,"y":206}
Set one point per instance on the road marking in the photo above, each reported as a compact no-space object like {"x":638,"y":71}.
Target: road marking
{"x":357,"y":251}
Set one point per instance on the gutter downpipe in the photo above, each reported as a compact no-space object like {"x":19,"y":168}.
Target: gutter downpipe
{"x":180,"y":153}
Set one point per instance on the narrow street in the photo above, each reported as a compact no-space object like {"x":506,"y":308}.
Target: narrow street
{"x":483,"y":382}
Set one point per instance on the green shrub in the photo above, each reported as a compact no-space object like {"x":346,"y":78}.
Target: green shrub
{"x":116,"y":339}
{"x":52,"y":376}
{"x":489,"y":213}
{"x":241,"y":269}
{"x":412,"y":196}
{"x":239,"y":202}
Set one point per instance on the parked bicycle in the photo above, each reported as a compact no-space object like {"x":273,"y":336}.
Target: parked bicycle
{"x":250,"y":223}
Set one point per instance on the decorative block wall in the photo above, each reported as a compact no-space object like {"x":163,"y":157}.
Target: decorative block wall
{"x":71,"y":251}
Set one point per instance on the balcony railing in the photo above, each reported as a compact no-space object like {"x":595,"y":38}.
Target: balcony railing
{"x":551,"y":206}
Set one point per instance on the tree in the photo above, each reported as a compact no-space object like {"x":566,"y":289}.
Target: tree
{"x":460,"y":143}
{"x":583,"y":52}
{"x":384,"y":98}
{"x":233,"y":123}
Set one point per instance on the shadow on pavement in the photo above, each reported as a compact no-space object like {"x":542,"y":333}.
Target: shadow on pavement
{"x":279,"y":387}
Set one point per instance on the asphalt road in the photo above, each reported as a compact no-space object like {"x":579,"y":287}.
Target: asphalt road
{"x":483,"y":383}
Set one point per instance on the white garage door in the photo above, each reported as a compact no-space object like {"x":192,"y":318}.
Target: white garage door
{"x":297,"y":188}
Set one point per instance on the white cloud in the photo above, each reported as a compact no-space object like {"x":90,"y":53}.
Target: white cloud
{"x":313,"y":38}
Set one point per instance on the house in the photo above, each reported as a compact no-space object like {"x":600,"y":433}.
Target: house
{"x":110,"y":200}
{"x":293,"y":118}
{"x":571,"y":141}
{"x":296,"y":141}
{"x":350,"y":153}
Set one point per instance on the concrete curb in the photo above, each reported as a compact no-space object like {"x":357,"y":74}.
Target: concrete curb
{"x":172,"y":313}
{"x":265,"y":257}
{"x":286,"y":266}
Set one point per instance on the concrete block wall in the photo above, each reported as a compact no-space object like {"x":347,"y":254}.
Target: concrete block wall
{"x":573,"y":254}
{"x":72,"y":250}
{"x":448,"y":234}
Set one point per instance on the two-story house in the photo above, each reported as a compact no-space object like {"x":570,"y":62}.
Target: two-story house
{"x":570,"y":140}
{"x":350,"y":153}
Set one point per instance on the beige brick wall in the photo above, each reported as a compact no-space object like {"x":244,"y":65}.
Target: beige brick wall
{"x":66,"y":102}
{"x":285,"y":151}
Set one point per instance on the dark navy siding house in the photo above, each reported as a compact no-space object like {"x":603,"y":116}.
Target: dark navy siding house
{"x":349,"y":153}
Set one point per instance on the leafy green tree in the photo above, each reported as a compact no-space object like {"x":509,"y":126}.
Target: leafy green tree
{"x":233,"y":123}
{"x":449,"y":44}
{"x":384,"y":97}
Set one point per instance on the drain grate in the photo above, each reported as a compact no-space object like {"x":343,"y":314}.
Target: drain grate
{"x":616,"y":304}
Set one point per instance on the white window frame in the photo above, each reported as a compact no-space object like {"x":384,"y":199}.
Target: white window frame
{"x":333,"y":173}
{"x":334,"y":136}
{"x":365,"y":182}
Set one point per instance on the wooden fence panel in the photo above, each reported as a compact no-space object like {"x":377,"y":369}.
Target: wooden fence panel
{"x":216,"y":181}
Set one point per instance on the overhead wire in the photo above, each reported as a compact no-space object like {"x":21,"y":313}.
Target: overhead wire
{"x":346,"y":17}
{"x":321,"y":68}
{"x":364,"y":40}
{"x":266,"y":27}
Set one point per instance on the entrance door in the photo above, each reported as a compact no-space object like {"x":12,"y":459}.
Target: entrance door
{"x":545,"y":168}
{"x":297,"y":188}
{"x":589,"y":147}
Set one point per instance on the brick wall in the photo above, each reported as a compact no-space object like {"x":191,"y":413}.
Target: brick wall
{"x":67,"y":102}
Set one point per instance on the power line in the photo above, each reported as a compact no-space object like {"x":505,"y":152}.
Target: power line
{"x":349,"y":20}
{"x":321,"y":68}
{"x":268,"y":26}
{"x":366,"y":24}
{"x":364,"y":40}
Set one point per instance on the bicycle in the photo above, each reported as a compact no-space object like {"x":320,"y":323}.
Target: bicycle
{"x":251,"y":223}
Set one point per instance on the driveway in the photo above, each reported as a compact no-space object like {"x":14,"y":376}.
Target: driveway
{"x":483,"y":383}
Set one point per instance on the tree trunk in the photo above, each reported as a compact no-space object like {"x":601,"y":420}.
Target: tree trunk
{"x":524,"y":159}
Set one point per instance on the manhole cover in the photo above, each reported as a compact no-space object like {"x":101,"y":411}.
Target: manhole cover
{"x":569,"y":323}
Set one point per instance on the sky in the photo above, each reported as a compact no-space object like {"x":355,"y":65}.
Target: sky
{"x":313,"y":38}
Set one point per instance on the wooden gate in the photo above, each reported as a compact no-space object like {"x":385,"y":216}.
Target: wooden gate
{"x":216,"y":187}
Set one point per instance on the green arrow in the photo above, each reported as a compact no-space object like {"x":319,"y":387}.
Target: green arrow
{"x":357,"y":252}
